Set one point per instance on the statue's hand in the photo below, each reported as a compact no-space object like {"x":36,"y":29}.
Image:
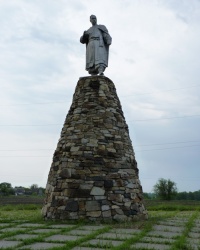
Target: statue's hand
{"x":84,"y":37}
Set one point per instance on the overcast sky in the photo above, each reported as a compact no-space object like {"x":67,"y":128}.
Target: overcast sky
{"x":154,"y":64}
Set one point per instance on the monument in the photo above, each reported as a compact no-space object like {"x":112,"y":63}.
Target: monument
{"x":97,"y":40}
{"x":94,"y":172}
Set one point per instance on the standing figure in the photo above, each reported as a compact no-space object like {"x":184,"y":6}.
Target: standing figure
{"x":97,"y":40}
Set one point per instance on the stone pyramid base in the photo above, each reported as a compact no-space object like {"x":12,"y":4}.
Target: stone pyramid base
{"x":94,"y":173}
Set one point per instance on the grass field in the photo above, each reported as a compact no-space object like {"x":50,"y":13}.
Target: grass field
{"x":171,"y":225}
{"x":32,"y":211}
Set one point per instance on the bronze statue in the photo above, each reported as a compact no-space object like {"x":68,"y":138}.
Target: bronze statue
{"x":97,"y":40}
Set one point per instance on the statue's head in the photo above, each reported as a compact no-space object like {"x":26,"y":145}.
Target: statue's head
{"x":93,"y":19}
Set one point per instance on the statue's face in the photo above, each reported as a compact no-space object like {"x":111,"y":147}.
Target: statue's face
{"x":93,"y":20}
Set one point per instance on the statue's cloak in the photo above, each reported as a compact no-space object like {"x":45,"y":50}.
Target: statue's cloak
{"x":97,"y":40}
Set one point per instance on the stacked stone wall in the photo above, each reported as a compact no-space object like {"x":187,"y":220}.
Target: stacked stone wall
{"x":94,"y":173}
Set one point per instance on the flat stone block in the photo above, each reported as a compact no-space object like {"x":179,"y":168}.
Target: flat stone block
{"x":171,"y":223}
{"x":61,"y":226}
{"x":120,"y":218}
{"x":197,"y":225}
{"x":97,"y":191}
{"x":168,"y":228}
{"x":91,"y":227}
{"x":43,"y":230}
{"x":106,"y":214}
{"x":114,"y":236}
{"x":31,"y":225}
{"x":4,"y":225}
{"x":193,"y":241}
{"x":8,"y":243}
{"x":12,"y":229}
{"x":179,"y":219}
{"x":24,"y":236}
{"x":163,"y":234}
{"x":86,"y":248}
{"x":193,"y":247}
{"x":20,"y":221}
{"x":195,"y":229}
{"x":125,"y":231}
{"x":150,"y":246}
{"x":80,"y":232}
{"x":193,"y":244}
{"x":41,"y":245}
{"x":63,"y":238}
{"x":105,"y":243}
{"x":194,"y":235}
{"x":92,"y":206}
{"x":100,"y":197}
{"x":157,"y":240}
{"x":105,"y":207}
{"x":94,"y":214}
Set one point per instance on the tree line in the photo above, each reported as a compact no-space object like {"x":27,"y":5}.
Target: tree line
{"x":6,"y":189}
{"x":164,"y":189}
{"x":167,"y":190}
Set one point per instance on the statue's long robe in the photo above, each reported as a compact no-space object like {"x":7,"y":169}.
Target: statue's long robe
{"x":97,"y":42}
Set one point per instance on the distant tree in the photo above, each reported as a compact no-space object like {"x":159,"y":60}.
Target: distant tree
{"x":182,"y":196}
{"x":34,"y":186}
{"x":148,"y":196}
{"x":6,"y":188}
{"x":165,"y":189}
{"x":27,"y":191}
{"x":19,"y":190}
{"x":189,"y":195}
{"x":41,"y":191}
{"x":34,"y":189}
{"x":197,"y":195}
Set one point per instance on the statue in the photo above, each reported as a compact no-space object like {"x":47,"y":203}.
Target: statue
{"x":97,"y":40}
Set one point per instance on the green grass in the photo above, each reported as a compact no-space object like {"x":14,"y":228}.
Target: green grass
{"x":20,"y":207}
{"x":147,"y":226}
{"x":180,"y":243}
{"x":20,"y":212}
{"x":174,"y":205}
{"x":163,"y":211}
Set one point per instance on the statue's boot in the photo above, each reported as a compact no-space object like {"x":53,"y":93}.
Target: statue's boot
{"x":92,"y":71}
{"x":101,"y":70}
